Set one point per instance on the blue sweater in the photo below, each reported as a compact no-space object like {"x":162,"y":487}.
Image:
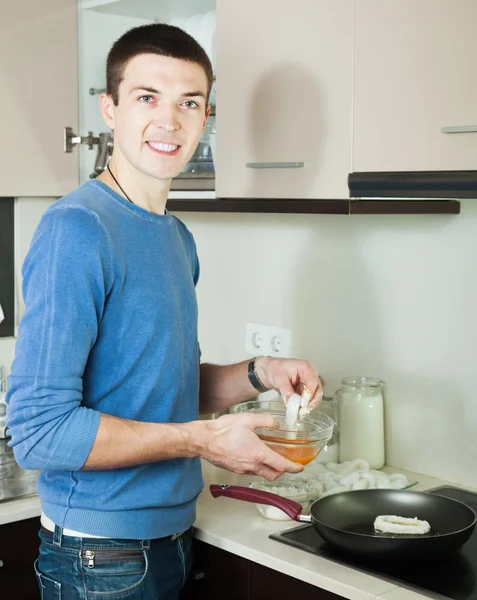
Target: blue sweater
{"x":110,"y":326}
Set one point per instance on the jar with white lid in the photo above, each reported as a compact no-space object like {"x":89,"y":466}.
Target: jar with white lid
{"x":361,"y":418}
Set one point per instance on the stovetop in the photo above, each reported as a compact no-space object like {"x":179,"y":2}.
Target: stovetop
{"x":454,"y":576}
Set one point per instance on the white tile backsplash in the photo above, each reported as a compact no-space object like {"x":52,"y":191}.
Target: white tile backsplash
{"x":387,"y":296}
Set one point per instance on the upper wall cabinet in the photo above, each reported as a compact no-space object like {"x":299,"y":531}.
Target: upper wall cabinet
{"x":39,"y":96}
{"x":415,"y":74}
{"x":100,"y":24}
{"x":307,"y":90}
{"x":284,"y":98}
{"x":52,"y":68}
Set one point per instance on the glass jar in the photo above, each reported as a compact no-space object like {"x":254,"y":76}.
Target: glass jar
{"x":330,"y":453}
{"x":361,"y":418}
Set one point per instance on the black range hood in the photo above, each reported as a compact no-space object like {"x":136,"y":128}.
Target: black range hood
{"x":413,"y":184}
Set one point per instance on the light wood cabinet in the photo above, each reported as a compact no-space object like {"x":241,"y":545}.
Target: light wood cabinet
{"x":284,"y":94}
{"x":307,"y":91}
{"x":52,"y":52}
{"x":39,"y":97}
{"x":415,"y":72}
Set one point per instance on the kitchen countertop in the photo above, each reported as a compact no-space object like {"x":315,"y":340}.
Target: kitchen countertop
{"x":238,"y":528}
{"x":18,"y":510}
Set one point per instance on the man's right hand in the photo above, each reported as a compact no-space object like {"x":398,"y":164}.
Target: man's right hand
{"x":231,"y":443}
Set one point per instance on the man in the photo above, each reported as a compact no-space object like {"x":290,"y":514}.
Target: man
{"x":105,"y":388}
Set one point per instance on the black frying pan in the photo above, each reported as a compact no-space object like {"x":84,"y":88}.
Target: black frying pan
{"x":346,"y":520}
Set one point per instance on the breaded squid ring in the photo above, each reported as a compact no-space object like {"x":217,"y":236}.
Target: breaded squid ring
{"x":403,"y":525}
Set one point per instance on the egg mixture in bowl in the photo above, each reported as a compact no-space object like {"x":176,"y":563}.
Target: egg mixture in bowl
{"x":300,"y":443}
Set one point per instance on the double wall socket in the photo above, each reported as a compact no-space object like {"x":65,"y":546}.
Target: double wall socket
{"x":267,"y":341}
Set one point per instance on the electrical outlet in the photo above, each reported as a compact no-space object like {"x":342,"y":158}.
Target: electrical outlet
{"x":267,"y":341}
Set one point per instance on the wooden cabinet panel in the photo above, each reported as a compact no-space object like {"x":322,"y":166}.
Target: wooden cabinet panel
{"x":225,"y":575}
{"x":39,"y":91}
{"x":267,"y":584}
{"x":7,"y":267}
{"x":284,"y":94}
{"x":217,"y":574}
{"x":18,"y":551}
{"x":415,"y":65}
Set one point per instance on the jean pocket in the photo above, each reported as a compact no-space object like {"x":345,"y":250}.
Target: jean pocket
{"x":109,"y":571}
{"x":49,"y":589}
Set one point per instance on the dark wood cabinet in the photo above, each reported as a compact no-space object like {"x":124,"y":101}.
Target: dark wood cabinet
{"x":7,"y":266}
{"x":18,"y":551}
{"x":267,"y":584}
{"x":219,"y":574}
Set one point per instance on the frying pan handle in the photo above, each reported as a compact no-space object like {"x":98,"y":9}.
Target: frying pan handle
{"x":239,"y":492}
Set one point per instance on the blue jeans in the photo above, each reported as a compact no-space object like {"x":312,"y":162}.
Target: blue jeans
{"x":73,"y":568}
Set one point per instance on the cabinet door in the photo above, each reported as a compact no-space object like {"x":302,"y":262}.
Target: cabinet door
{"x":217,"y":574}
{"x":267,"y":584}
{"x":7,"y":275}
{"x":415,"y":66}
{"x":284,"y":86}
{"x":38,"y":83}
{"x":18,"y":551}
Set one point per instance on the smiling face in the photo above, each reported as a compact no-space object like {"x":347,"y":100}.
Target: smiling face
{"x":160,"y":116}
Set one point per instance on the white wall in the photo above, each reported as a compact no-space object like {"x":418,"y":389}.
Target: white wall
{"x":387,"y":296}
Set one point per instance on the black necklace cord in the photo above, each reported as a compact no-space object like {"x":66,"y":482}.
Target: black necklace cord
{"x":118,"y":184}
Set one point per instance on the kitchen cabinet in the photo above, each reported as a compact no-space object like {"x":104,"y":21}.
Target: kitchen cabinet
{"x":52,"y":66}
{"x":308,"y":92}
{"x":18,"y":551}
{"x":220,"y":574}
{"x":267,"y":584}
{"x":38,"y":79}
{"x":415,"y":65}
{"x":284,"y":89}
{"x":100,"y":24}
{"x":7,"y":267}
{"x":217,"y":574}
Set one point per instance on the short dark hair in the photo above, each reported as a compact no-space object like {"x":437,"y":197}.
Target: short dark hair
{"x":154,"y":38}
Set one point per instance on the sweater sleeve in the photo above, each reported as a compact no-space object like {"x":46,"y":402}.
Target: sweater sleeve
{"x":66,"y":279}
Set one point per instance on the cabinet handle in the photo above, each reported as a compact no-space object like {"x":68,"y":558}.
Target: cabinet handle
{"x":275,"y":165}
{"x":460,"y":129}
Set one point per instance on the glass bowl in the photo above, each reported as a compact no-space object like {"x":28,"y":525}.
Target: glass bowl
{"x":300,"y":445}
{"x":299,"y":492}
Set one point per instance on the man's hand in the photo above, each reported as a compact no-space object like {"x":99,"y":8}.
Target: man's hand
{"x":232,"y":444}
{"x":291,"y":376}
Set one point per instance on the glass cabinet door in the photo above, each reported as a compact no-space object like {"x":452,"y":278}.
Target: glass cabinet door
{"x":100,"y":24}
